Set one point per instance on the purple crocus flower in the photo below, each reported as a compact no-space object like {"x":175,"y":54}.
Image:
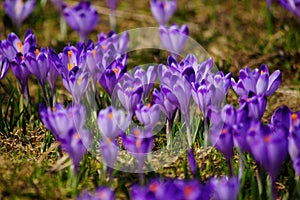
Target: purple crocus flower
{"x":114,"y":43}
{"x":174,"y":39}
{"x":83,"y":18}
{"x":101,"y":193}
{"x":38,"y":64}
{"x":53,"y":73}
{"x":221,"y":132}
{"x":294,"y":140}
{"x":256,"y":105}
{"x":269,"y":148}
{"x":167,"y":107}
{"x":146,"y":78}
{"x":13,"y":45}
{"x":130,"y":93}
{"x":148,"y":115}
{"x":201,"y":71}
{"x":225,"y":188}
{"x":22,"y":73}
{"x":4,"y":65}
{"x":162,"y":10}
{"x":109,"y":150}
{"x":112,"y":74}
{"x":67,"y":125}
{"x":257,"y":81}
{"x":18,"y":11}
{"x":112,"y":122}
{"x":291,"y":5}
{"x":76,"y":83}
{"x":139,"y":144}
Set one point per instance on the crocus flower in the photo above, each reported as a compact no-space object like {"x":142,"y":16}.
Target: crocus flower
{"x":38,"y":64}
{"x":22,"y":73}
{"x":112,"y":122}
{"x":148,"y":115}
{"x":18,"y":10}
{"x":291,"y":5}
{"x":53,"y":72}
{"x":174,"y":39}
{"x":101,"y":193}
{"x":162,"y":10}
{"x":130,"y":93}
{"x":225,"y":188}
{"x":83,"y":18}
{"x":221,"y":132}
{"x":256,"y":105}
{"x":201,"y":71}
{"x":139,"y":144}
{"x":112,"y":6}
{"x":257,"y":81}
{"x":167,"y":107}
{"x":76,"y":83}
{"x":111,"y":76}
{"x":269,"y":148}
{"x":115,"y":43}
{"x":146,"y":78}
{"x":294,"y":140}
{"x":109,"y":150}
{"x":13,"y":45}
{"x":67,"y":125}
{"x":4,"y":65}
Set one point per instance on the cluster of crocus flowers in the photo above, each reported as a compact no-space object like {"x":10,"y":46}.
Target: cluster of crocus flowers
{"x":215,"y":188}
{"x":18,"y":10}
{"x":67,"y":126}
{"x":181,"y":82}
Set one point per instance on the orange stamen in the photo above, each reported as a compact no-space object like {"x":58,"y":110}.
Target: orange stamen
{"x":224,"y":131}
{"x":294,"y":118}
{"x":104,"y":47}
{"x":94,"y":53}
{"x":136,"y":132}
{"x":37,"y":52}
{"x":138,"y":143}
{"x":148,"y":105}
{"x":108,"y":140}
{"x":53,"y":109}
{"x":115,"y":70}
{"x":267,"y":138}
{"x":77,"y":136}
{"x":153,"y":187}
{"x":188,"y":190}
{"x":110,"y":115}
{"x":19,"y":44}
